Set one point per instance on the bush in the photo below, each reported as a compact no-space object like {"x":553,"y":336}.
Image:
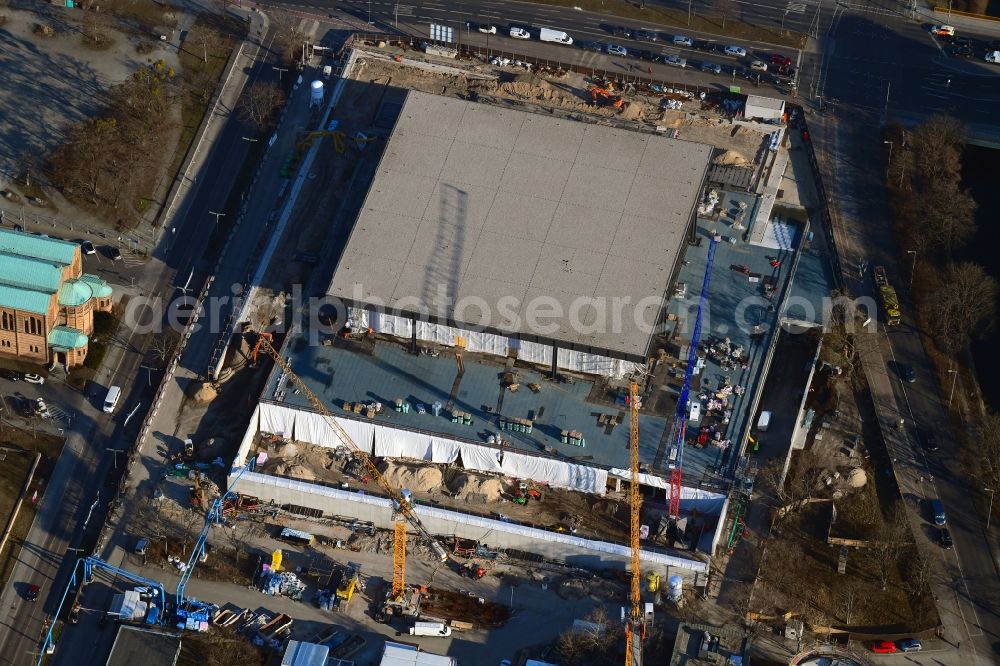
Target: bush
{"x":95,"y":355}
{"x":104,"y":324}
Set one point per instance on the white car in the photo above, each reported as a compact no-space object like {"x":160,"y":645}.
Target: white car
{"x":736,"y":51}
{"x":520,"y":33}
{"x":993,"y":56}
{"x":681,"y":40}
{"x":943,"y":30}
{"x":41,"y":409}
{"x":487,"y":29}
{"x":758,"y":66}
{"x":33,"y":379}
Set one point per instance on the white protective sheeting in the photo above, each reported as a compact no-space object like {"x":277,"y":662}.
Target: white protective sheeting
{"x":555,"y":473}
{"x":488,"y":343}
{"x":480,"y":458}
{"x":393,"y":443}
{"x":276,"y":419}
{"x":707,"y":502}
{"x":252,"y":429}
{"x":313,"y":428}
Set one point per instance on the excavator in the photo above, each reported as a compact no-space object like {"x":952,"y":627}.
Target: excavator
{"x":599,"y":95}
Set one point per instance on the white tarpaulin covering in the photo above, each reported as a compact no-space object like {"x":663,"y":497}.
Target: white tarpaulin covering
{"x":555,"y":472}
{"x":488,"y":343}
{"x":392,"y":443}
{"x":480,"y":458}
{"x":276,"y":419}
{"x":706,"y":501}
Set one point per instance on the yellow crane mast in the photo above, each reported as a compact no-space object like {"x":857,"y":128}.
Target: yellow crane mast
{"x":635,"y":629}
{"x":401,"y":503}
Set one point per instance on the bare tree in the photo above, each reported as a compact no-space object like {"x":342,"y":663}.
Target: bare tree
{"x":988,"y":431}
{"x":288,"y":37}
{"x":96,"y":27}
{"x":189,"y":523}
{"x":151,"y":522}
{"x":726,"y":9}
{"x":937,"y":152}
{"x":590,"y":643}
{"x":884,"y":549}
{"x":162,"y":346}
{"x":260,"y":103}
{"x":240,"y":535}
{"x":963,"y":303}
{"x":947,"y":217}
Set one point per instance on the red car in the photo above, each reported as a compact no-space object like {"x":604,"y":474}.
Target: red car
{"x":883,"y":647}
{"x":780,"y":60}
{"x":31,"y":594}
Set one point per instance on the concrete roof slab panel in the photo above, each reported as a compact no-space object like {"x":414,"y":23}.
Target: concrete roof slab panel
{"x":407,"y":195}
{"x":495,"y":258}
{"x":468,"y":163}
{"x":582,"y":227}
{"x":481,"y":125}
{"x":536,"y":176}
{"x":557,"y":139}
{"x":419,"y":154}
{"x":523,"y":220}
{"x":598,"y":187}
{"x":613,"y":151}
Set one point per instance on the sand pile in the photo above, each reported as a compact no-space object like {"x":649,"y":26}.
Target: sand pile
{"x":205,"y":394}
{"x":731,"y":158}
{"x":465,"y":485}
{"x":633,"y":111}
{"x":528,"y":86}
{"x":411,"y":477}
{"x":293,"y":470}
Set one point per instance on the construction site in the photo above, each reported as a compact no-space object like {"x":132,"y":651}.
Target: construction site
{"x":488,"y":180}
{"x":509,"y":321}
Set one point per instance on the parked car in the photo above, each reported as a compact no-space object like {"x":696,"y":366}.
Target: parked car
{"x":758,"y":66}
{"x":942,"y":30}
{"x":675,"y":61}
{"x":519,"y":33}
{"x":646,"y":35}
{"x":10,"y":375}
{"x":621,"y":31}
{"x":944,"y":538}
{"x":88,"y":248}
{"x":33,"y":378}
{"x":907,"y":373}
{"x":683,"y":40}
{"x":591,"y":46}
{"x":911,"y":645}
{"x":646,"y":54}
{"x":735,"y":51}
{"x":615,"y":49}
{"x":780,"y":60}
{"x":711,"y":67}
{"x":882,"y":647}
{"x":705,"y":45}
{"x":31,"y":594}
{"x":141,"y":546}
{"x":487,"y":29}
{"x":962,"y":47}
{"x":114,"y":253}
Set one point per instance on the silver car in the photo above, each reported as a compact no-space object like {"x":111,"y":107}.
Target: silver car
{"x":736,"y":51}
{"x":614,"y":49}
{"x":675,"y":61}
{"x":711,"y":67}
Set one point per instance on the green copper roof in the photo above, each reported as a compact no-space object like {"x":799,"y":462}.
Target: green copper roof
{"x":29,"y":273}
{"x":74,"y":293}
{"x":101,"y":288}
{"x":26,"y":300}
{"x":64,"y":337}
{"x":30,"y":245}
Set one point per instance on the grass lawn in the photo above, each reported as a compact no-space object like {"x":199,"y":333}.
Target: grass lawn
{"x":678,"y":19}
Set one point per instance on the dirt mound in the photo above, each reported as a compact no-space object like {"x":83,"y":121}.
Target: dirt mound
{"x":731,"y":158}
{"x":469,"y":484}
{"x":528,"y":86}
{"x":411,"y":477}
{"x":294,"y":470}
{"x":633,"y":111}
{"x":205,"y":394}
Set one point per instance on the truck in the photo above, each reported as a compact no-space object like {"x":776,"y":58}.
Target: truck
{"x":557,"y":36}
{"x":887,"y":296}
{"x":430,"y":629}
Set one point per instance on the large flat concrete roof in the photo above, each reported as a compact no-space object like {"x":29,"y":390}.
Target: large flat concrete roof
{"x":472,"y":201}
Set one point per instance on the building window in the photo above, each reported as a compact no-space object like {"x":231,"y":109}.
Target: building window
{"x":7,"y":321}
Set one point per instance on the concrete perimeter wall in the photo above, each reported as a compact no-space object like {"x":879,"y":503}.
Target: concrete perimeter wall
{"x":566,"y":548}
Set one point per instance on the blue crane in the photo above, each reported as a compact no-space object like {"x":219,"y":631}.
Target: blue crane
{"x":190,"y":608}
{"x":679,"y":429}
{"x":88,"y":564}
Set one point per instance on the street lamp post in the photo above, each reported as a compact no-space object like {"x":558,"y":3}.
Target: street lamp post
{"x":951,"y":394}
{"x":989,"y":514}
{"x":913,"y":266}
{"x":889,"y":165}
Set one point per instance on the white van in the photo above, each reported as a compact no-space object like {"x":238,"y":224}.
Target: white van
{"x":430,"y":629}
{"x":111,"y":401}
{"x":519,"y":33}
{"x":557,"y":36}
{"x":763,"y":421}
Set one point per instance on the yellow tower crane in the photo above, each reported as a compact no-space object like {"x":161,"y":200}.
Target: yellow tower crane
{"x":635,"y":628}
{"x":402,"y":506}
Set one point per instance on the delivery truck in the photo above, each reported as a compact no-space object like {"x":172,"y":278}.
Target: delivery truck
{"x":557,"y":36}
